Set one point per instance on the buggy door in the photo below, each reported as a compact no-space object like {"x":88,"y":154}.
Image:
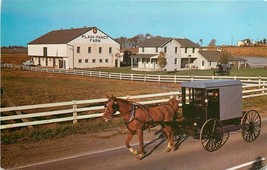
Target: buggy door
{"x":194,"y":104}
{"x":213,"y":104}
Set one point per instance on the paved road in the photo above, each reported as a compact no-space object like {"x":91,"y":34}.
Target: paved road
{"x":190,"y":155}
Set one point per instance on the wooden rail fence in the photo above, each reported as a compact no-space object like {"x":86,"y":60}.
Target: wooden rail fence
{"x":87,"y":109}
{"x":140,"y":77}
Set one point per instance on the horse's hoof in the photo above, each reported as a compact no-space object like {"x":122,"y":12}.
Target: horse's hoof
{"x":140,"y":156}
{"x":168,"y":149}
{"x":133,"y":151}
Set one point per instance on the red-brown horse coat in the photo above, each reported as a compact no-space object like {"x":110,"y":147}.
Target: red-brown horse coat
{"x":144,"y":118}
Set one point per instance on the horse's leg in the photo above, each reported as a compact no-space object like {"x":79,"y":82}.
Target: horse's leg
{"x":141,"y":143}
{"x":127,"y":143}
{"x":170,"y":135}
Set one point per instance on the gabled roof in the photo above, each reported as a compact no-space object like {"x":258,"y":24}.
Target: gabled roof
{"x":61,"y":36}
{"x":155,"y":42}
{"x":212,"y":56}
{"x":161,"y":41}
{"x":187,"y":43}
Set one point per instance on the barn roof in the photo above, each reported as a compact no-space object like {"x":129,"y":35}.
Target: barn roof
{"x":61,"y":36}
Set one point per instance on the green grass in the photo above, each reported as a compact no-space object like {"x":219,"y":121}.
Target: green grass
{"x":246,"y":72}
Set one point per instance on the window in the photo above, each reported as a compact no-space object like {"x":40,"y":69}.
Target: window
{"x":143,"y":49}
{"x":175,"y":61}
{"x":78,"y":49}
{"x":89,"y":49}
{"x":45,"y":51}
{"x":157,"y":50}
{"x":176,"y":49}
{"x":185,"y":49}
{"x":165,"y":49}
{"x":203,"y":63}
{"x":86,"y":60}
{"x":106,"y":60}
{"x":100,"y":50}
{"x":110,"y":50}
{"x":100,"y":60}
{"x":193,"y":50}
{"x":80,"y":60}
{"x":93,"y":60}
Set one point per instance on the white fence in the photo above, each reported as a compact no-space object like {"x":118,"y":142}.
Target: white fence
{"x":86,"y":109}
{"x":140,"y":77}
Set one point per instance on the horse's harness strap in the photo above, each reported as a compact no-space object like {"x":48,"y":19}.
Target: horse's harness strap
{"x":134,"y":107}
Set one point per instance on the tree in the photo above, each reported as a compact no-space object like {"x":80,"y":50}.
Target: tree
{"x":224,"y":58}
{"x":162,"y":62}
{"x":127,"y":57}
{"x":212,"y":43}
{"x":201,"y":41}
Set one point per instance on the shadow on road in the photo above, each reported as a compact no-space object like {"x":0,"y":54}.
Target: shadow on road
{"x":178,"y":139}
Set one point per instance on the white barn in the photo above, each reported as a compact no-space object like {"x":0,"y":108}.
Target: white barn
{"x":86,"y":47}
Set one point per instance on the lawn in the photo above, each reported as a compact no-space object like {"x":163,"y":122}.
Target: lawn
{"x":247,"y":72}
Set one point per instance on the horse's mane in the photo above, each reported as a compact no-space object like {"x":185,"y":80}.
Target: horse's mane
{"x":124,"y":101}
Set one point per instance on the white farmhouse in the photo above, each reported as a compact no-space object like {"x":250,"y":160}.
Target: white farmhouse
{"x":179,"y":53}
{"x":75,"y":48}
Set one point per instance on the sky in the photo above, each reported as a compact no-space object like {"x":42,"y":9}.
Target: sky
{"x":225,"y":21}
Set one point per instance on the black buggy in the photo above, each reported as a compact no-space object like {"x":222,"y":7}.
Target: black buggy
{"x":222,"y":69}
{"x":213,"y":108}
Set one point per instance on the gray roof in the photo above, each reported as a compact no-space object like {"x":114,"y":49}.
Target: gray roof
{"x":212,"y":56}
{"x":210,"y":83}
{"x":187,"y":43}
{"x":161,"y":41}
{"x":154,"y":42}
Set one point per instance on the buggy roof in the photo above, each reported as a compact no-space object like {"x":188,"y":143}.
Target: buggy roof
{"x":210,"y":83}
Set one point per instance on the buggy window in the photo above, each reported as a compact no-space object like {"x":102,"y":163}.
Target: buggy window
{"x":195,"y":96}
{"x":213,"y":95}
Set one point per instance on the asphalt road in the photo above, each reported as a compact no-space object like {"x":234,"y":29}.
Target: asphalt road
{"x":189,"y":155}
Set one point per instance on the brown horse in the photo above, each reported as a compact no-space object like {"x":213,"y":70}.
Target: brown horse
{"x":137,"y":118}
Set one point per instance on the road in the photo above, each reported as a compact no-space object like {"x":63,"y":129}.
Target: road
{"x":189,"y":155}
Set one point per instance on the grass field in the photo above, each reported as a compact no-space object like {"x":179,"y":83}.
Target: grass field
{"x":26,"y":87}
{"x":234,"y":72}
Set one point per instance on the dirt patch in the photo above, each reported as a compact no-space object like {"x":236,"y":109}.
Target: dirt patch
{"x":19,"y":154}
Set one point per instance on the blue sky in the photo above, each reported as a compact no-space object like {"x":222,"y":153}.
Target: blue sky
{"x":226,"y":21}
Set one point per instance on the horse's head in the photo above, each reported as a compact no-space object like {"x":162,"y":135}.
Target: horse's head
{"x":111,"y":107}
{"x":175,"y":103}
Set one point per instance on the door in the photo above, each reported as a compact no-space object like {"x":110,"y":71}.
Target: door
{"x":213,"y":104}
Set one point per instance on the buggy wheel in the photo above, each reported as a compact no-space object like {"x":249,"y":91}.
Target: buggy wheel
{"x":251,"y":125}
{"x":212,"y":136}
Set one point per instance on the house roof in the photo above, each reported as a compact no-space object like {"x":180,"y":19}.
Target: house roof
{"x":212,"y":56}
{"x":61,"y":36}
{"x":187,"y":43}
{"x":154,"y":42}
{"x":161,"y":41}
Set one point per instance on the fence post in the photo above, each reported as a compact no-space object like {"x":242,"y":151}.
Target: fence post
{"x":132,"y":76}
{"x":234,"y":77}
{"x":159,"y":79}
{"x":192,"y":78}
{"x":145,"y":78}
{"x":120,"y":76}
{"x":212,"y":77}
{"x":259,"y":82}
{"x":174,"y":79}
{"x":75,"y":112}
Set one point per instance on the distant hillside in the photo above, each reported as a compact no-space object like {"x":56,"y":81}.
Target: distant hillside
{"x":14,"y":50}
{"x":242,"y":51}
